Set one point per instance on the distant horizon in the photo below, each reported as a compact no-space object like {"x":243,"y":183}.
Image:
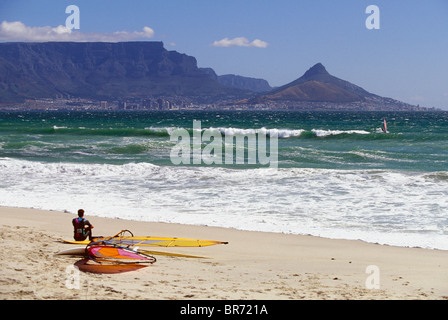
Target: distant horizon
{"x":404,"y":58}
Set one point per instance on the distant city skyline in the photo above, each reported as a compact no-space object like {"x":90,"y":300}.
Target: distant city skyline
{"x":405,"y":59}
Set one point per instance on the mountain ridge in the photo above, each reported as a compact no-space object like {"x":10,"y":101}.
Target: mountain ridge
{"x":124,"y":71}
{"x":245,"y":83}
{"x":102,"y":70}
{"x":317,"y":89}
{"x":317,"y":85}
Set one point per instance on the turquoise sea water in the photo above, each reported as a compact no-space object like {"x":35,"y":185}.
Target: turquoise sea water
{"x":338,"y":174}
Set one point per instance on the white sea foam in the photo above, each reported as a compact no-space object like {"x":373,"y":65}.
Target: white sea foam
{"x":167,"y":130}
{"x":56,"y":127}
{"x":390,"y":207}
{"x":324,"y":133}
{"x":280,"y":133}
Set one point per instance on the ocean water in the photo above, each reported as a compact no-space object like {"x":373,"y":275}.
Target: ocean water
{"x":337,"y":174}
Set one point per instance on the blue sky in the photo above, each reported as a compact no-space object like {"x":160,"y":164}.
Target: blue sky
{"x":279,"y":40}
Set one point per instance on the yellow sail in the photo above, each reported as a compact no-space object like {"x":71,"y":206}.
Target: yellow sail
{"x":151,"y":241}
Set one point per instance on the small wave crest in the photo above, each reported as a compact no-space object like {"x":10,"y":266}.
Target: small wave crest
{"x":326,"y":133}
{"x":280,"y":133}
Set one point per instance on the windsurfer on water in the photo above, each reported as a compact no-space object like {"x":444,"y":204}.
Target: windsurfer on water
{"x":82,"y":227}
{"x":384,"y":128}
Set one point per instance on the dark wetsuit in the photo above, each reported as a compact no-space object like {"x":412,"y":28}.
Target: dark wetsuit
{"x":82,"y":229}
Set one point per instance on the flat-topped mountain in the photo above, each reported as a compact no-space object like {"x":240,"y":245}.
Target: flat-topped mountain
{"x":101,"y":70}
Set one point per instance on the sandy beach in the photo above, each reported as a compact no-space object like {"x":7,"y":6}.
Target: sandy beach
{"x":253,"y":266}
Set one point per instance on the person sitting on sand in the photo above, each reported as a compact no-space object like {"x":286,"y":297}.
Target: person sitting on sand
{"x":82,"y":227}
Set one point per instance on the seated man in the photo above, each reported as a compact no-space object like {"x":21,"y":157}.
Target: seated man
{"x":82,"y":227}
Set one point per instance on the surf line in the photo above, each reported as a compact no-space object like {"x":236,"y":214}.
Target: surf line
{"x":249,"y":147}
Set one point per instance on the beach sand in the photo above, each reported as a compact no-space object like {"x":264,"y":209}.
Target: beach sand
{"x":253,"y":266}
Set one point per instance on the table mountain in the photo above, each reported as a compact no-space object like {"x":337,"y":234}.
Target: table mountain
{"x":100,"y":70}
